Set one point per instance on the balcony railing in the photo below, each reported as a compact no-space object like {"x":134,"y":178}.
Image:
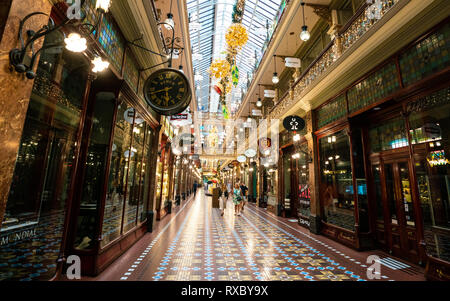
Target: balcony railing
{"x":352,"y":32}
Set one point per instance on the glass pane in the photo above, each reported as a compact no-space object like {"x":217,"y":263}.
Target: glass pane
{"x":337,"y":183}
{"x":388,"y":135}
{"x":33,"y":224}
{"x":112,"y":220}
{"x":96,"y":161}
{"x":361,"y":186}
{"x":378,"y":197}
{"x":134,"y":174}
{"x":390,"y":190}
{"x":287,"y":180}
{"x":143,"y":202}
{"x":406,"y":193}
{"x":303,"y":182}
{"x":433,"y":172}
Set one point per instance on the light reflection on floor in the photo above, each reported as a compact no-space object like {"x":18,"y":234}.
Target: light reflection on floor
{"x":208,"y":246}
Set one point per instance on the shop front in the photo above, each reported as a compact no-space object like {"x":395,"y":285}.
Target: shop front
{"x":81,"y":183}
{"x":383,"y":147}
{"x":294,"y":178}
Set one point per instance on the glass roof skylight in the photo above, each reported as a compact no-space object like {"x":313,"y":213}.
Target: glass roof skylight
{"x":209,"y":20}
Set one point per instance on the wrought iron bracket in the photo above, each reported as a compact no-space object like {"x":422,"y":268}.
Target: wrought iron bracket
{"x":170,"y":40}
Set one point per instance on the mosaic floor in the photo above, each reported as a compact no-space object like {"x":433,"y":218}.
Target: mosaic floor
{"x":197,"y":244}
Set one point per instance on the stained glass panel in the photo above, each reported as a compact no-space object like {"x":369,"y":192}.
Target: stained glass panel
{"x":332,"y":111}
{"x":427,"y":57}
{"x":112,"y":41}
{"x":374,"y":88}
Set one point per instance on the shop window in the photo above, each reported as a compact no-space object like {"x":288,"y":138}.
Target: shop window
{"x":33,"y":224}
{"x":145,"y":188}
{"x":116,"y":193}
{"x":95,"y":168}
{"x":388,"y":135}
{"x":304,"y":193}
{"x":430,"y":130}
{"x":337,"y":181}
{"x":134,"y":174}
{"x":376,"y":173}
{"x":428,"y":57}
{"x":361,"y":185}
{"x":288,"y":170}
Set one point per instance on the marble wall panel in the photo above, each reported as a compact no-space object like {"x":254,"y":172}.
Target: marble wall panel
{"x":15,"y":89}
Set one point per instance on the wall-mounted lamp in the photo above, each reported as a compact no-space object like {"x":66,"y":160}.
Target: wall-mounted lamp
{"x":74,"y":42}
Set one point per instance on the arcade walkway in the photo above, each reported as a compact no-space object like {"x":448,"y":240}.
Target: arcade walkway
{"x":196,"y":243}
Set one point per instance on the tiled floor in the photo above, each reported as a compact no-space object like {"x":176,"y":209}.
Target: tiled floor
{"x":196,"y":243}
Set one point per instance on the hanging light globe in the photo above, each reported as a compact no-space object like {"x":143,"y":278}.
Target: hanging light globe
{"x":170,"y":24}
{"x":275,"y":78}
{"x":259,"y":102}
{"x":99,"y":64}
{"x":103,"y":5}
{"x":75,"y":43}
{"x":305,"y":35}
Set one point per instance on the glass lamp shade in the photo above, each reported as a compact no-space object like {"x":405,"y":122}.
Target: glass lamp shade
{"x":103,"y":5}
{"x":305,"y":35}
{"x":75,"y":43}
{"x":170,"y":21}
{"x":99,"y":64}
{"x":259,"y":102}
{"x":275,"y":78}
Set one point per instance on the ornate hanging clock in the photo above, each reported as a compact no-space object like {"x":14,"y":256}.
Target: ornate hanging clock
{"x":167,"y":91}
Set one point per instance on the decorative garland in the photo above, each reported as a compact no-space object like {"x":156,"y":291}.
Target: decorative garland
{"x":226,"y":70}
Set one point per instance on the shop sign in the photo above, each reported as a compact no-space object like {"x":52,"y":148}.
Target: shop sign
{"x":292,"y":62}
{"x":294,"y":123}
{"x":256,"y":113}
{"x":17,"y":236}
{"x":303,"y":222}
{"x":270,"y":93}
{"x":179,"y":117}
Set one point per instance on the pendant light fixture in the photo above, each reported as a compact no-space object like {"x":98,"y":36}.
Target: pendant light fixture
{"x":304,"y":35}
{"x":275,"y":78}
{"x":170,"y":23}
{"x":259,"y":102}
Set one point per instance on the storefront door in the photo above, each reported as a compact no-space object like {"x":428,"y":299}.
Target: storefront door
{"x":396,"y":230}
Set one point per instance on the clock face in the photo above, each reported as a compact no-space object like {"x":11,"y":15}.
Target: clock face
{"x":167,"y":91}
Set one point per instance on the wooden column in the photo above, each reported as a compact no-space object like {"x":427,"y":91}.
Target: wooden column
{"x":15,"y":89}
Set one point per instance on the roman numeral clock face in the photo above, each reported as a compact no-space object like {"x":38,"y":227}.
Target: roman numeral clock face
{"x":167,"y":91}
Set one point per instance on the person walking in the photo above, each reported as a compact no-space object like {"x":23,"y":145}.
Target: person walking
{"x":237,"y":199}
{"x":223,"y":198}
{"x":244,"y":190}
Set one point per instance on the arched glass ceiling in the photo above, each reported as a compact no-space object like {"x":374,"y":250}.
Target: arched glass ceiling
{"x":209,"y":20}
